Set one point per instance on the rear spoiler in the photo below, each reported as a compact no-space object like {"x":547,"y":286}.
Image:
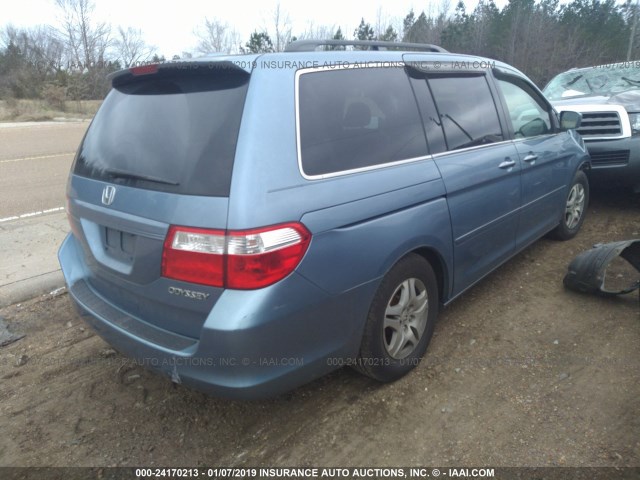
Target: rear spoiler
{"x":128,"y":75}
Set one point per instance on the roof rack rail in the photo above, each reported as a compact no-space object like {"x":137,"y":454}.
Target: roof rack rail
{"x":311,"y":45}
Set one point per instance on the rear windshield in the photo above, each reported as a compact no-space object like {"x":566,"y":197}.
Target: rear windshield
{"x":172,"y":131}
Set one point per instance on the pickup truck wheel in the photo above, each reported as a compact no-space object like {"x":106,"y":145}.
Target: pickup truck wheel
{"x":400,"y":321}
{"x":575,"y":208}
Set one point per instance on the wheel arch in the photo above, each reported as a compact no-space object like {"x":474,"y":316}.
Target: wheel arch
{"x":585,"y":165}
{"x":438,"y":264}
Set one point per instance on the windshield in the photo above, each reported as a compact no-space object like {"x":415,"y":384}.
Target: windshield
{"x":601,"y":80}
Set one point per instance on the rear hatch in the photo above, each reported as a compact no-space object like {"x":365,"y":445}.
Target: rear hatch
{"x":159,"y":152}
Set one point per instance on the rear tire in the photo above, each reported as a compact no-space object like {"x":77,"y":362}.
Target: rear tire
{"x":401,"y":320}
{"x":575,"y":208}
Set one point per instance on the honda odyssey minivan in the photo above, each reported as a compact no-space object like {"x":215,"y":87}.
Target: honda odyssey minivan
{"x":246,"y":224}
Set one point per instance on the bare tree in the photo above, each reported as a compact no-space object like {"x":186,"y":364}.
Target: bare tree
{"x":315,"y":32}
{"x":444,"y":8}
{"x":385,"y":24}
{"x":131,"y":48}
{"x":86,"y":42}
{"x":87,"y":45}
{"x":633,"y":21}
{"x":30,"y":58}
{"x":386,"y":28}
{"x":39,"y":46}
{"x":216,"y":36}
{"x":282,"y":24}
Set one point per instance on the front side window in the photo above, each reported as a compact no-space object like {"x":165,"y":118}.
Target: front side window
{"x":529,"y":115}
{"x":467,"y":111}
{"x":356,"y":118}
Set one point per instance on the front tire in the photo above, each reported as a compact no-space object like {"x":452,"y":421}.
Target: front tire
{"x":575,"y":208}
{"x":401,"y":320}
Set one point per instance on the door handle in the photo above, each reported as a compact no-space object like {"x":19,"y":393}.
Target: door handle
{"x":530,"y":158}
{"x":508,"y":163}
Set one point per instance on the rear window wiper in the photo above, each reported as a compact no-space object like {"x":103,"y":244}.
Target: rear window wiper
{"x":136,"y":176}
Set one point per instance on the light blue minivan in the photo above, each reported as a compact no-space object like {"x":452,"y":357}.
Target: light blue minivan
{"x":245,"y":224}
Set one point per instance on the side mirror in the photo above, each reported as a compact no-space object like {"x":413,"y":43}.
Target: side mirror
{"x":533,"y":128}
{"x":570,"y":120}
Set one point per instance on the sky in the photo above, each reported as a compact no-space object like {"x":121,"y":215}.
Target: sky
{"x":170,"y":26}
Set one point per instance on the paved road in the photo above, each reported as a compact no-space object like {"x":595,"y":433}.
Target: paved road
{"x":34,"y":164}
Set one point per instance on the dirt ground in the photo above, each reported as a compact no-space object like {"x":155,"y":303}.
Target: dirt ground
{"x":520,"y":372}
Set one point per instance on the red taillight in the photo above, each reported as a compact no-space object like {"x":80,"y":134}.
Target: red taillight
{"x":144,"y":69}
{"x":238,"y":259}
{"x":260,"y":257}
{"x":194,"y":255}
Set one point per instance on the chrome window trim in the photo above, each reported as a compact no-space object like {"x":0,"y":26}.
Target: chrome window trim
{"x":542,"y":135}
{"x":365,"y":169}
{"x":394,"y":163}
{"x":467,"y":149}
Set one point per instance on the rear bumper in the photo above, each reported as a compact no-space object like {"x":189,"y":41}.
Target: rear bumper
{"x":253,"y":344}
{"x":615,"y":162}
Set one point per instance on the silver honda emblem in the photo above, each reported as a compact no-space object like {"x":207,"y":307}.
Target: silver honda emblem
{"x":108,"y":194}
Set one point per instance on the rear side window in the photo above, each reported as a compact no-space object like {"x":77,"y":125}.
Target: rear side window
{"x":357,"y":118}
{"x":173,"y":131}
{"x":466,"y":110}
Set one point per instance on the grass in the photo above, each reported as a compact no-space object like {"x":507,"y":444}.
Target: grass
{"x":14,"y":110}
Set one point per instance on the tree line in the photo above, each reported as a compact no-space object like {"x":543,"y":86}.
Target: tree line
{"x":71,"y":60}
